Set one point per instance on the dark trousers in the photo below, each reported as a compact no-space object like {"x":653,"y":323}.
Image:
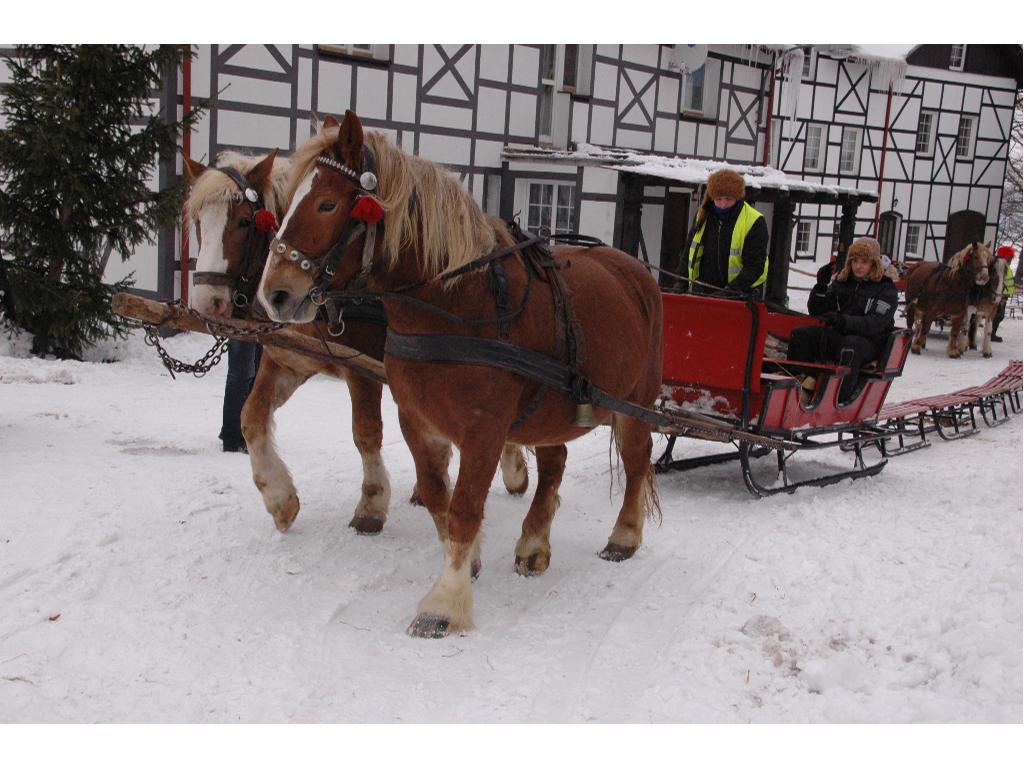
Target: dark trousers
{"x":815,"y":344}
{"x":243,"y":362}
{"x":1000,"y":312}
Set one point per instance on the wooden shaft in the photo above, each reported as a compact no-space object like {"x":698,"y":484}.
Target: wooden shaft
{"x":159,"y":313}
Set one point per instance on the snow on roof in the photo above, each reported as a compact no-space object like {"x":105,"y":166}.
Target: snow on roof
{"x":687,"y":171}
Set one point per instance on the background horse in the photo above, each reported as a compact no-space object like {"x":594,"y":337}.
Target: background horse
{"x":934,"y":289}
{"x":224,"y":221}
{"x":609,"y":312}
{"x":981,"y":311}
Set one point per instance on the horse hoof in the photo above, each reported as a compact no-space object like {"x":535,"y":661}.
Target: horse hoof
{"x":474,"y":570}
{"x":415,"y":499}
{"x":429,"y":625}
{"x":285,"y":515}
{"x":915,"y":351}
{"x":367,"y":526}
{"x":520,"y":490}
{"x":616,"y":553}
{"x":534,"y":565}
{"x":988,"y":355}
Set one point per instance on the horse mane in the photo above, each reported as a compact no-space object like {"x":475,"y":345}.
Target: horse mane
{"x":213,"y":188}
{"x":956,"y":261}
{"x":443,"y":220}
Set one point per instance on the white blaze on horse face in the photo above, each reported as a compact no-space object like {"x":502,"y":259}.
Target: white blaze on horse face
{"x":274,"y":259}
{"x":212,"y":299}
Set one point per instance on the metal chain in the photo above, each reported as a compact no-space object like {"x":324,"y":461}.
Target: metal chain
{"x":207,"y":362}
{"x":199,"y":368}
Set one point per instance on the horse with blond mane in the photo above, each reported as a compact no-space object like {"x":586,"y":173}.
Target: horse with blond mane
{"x":934,"y":289}
{"x":464,"y":303}
{"x":228,"y":204}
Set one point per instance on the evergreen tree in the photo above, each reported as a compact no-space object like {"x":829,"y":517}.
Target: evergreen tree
{"x":82,"y":138}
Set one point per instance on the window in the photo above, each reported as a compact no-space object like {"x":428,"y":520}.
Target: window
{"x":804,"y":239}
{"x":925,"y":133}
{"x":956,"y":57}
{"x":806,"y":71}
{"x":358,"y":50}
{"x":913,"y":248}
{"x":814,"y":148}
{"x":549,"y":203}
{"x":849,"y":151}
{"x":570,"y":65}
{"x":700,"y":90}
{"x":546,"y":101}
{"x":965,"y":137}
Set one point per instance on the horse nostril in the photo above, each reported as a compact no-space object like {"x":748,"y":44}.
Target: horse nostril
{"x":278,"y":299}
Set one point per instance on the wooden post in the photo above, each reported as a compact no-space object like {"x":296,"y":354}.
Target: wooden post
{"x":846,"y":226}
{"x":627,"y":233}
{"x":776,"y":286}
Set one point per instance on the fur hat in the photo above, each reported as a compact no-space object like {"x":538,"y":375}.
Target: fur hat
{"x":865,"y":247}
{"x":1005,"y":252}
{"x":860,"y":248}
{"x":725,"y":183}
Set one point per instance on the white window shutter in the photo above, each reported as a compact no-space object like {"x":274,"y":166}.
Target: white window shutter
{"x":712,"y":87}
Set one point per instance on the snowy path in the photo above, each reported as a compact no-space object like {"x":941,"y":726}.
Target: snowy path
{"x":142,"y":581}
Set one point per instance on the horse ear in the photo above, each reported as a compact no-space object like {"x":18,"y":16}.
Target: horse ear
{"x":260,"y":174}
{"x":330,"y":122}
{"x":193,"y":169}
{"x":350,"y":139}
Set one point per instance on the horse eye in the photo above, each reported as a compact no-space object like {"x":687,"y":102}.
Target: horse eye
{"x":243,"y":223}
{"x":327,"y":206}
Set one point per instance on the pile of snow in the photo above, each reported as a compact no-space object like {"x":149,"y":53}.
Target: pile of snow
{"x":141,"y":579}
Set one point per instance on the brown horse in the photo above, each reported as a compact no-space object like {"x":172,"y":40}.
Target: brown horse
{"x":609,"y":312}
{"x":230,"y":261}
{"x":934,"y":289}
{"x":981,"y":311}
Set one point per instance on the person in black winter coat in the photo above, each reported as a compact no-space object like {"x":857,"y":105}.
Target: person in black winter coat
{"x":710,"y":242}
{"x":858,"y":309}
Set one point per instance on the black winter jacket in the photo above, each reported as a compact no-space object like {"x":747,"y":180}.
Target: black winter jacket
{"x":868,"y":308}
{"x":717,"y":239}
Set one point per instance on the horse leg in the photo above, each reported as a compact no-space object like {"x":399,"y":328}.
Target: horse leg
{"x":973,"y":317}
{"x":448,"y":607}
{"x":514,"y":473}
{"x":915,"y":322}
{"x":640,"y":499}
{"x":953,"y":348}
{"x":987,"y":318}
{"x":431,"y":453}
{"x":533,"y":550}
{"x":368,"y":435}
{"x":273,"y":386}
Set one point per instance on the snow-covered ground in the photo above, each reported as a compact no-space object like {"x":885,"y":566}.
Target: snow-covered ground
{"x":142,"y":581}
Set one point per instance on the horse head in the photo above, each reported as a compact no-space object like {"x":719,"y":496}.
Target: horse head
{"x":973,"y":263}
{"x":330,"y":225}
{"x":234,"y":207}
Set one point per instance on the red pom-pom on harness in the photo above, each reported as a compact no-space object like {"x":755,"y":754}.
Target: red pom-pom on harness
{"x":266,"y":221}
{"x":1005,"y":252}
{"x":367,"y":209}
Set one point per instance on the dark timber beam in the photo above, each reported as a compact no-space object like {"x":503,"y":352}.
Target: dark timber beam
{"x":627,"y":229}
{"x":776,"y":286}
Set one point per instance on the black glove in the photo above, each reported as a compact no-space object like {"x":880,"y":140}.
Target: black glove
{"x":834,"y":320}
{"x":824,"y":275}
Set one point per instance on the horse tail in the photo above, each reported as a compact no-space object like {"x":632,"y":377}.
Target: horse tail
{"x":649,"y":498}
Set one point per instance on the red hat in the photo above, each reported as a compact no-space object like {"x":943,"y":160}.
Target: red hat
{"x":1005,"y":252}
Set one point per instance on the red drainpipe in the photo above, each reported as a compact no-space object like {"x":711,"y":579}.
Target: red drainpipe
{"x":881,"y":163}
{"x":186,"y":151}
{"x":768,"y":121}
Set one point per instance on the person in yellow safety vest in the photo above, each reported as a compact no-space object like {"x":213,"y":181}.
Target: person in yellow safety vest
{"x":729,"y":244}
{"x":1006,"y":253}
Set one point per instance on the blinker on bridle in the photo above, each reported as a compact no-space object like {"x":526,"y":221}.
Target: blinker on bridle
{"x":363,"y":219}
{"x":258,"y":225}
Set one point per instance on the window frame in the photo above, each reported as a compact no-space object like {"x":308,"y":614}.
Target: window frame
{"x":361,"y":51}
{"x":553,"y":206}
{"x":934,"y":121}
{"x":961,"y":48}
{"x":711,"y":86}
{"x":808,"y":251}
{"x":968,"y":153}
{"x":819,"y":166}
{"x":857,"y":150}
{"x":916,"y":230}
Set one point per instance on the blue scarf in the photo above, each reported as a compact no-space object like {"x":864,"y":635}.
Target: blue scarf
{"x":723,"y":213}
